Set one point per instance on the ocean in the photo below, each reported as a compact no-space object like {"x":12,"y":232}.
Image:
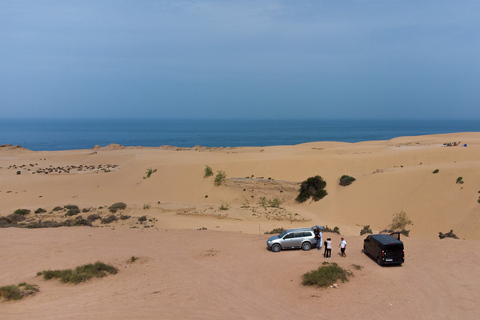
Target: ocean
{"x":68,"y":134}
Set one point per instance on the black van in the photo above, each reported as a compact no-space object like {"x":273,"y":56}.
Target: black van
{"x":384,"y":248}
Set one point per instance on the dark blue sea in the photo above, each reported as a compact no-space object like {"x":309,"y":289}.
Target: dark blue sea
{"x":84,"y":134}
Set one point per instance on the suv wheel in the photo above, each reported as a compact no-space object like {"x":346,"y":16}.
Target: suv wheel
{"x":276,"y":248}
{"x":306,"y":246}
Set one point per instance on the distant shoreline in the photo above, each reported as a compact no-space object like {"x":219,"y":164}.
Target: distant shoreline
{"x":56,"y":135}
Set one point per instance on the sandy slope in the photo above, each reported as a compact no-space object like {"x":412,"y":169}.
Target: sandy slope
{"x":225,"y":271}
{"x":190,"y":274}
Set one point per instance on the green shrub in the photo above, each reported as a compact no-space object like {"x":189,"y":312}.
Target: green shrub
{"x":142,"y":219}
{"x":219,"y":178}
{"x":57,"y":208}
{"x":117,"y":206}
{"x":93,"y":217}
{"x":72,"y":210}
{"x":111,"y":218}
{"x":81,"y":273}
{"x":21,"y":212}
{"x":400,"y":221}
{"x":346,"y":180}
{"x":312,"y":187}
{"x":366,"y":229}
{"x":450,"y":234}
{"x":10,"y":293}
{"x":460,"y":180}
{"x":208,"y":172}
{"x":40,"y":210}
{"x":435,"y":171}
{"x":72,"y":207}
{"x":124,"y":217}
{"x":224,"y":206}
{"x":325,"y":275}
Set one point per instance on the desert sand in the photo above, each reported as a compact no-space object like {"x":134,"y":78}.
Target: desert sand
{"x":197,"y":261}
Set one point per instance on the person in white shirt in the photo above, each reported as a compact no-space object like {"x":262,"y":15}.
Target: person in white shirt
{"x":328,"y":248}
{"x":343,"y":246}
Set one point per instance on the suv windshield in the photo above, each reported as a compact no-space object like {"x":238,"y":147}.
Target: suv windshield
{"x":281,"y":235}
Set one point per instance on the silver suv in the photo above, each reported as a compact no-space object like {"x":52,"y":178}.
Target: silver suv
{"x":294,"y":238}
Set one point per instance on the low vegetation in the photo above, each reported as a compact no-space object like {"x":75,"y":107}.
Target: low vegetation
{"x":117,"y":206}
{"x":435,"y":171}
{"x":80,"y":273}
{"x":460,"y":180}
{"x":346,"y":180}
{"x":275,"y":231}
{"x":224,"y":206}
{"x":334,"y":230}
{"x":272,"y":203}
{"x":313,"y":187}
{"x":22,"y":212}
{"x":219,"y":178}
{"x":326,"y":275}
{"x":366,"y":229}
{"x":17,"y":292}
{"x":399,"y":222}
{"x":149,"y":173}
{"x":450,"y":234}
{"x":208,"y":172}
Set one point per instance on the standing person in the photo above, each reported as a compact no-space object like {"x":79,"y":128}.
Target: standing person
{"x":328,"y":248}
{"x":343,"y":246}
{"x":319,"y":240}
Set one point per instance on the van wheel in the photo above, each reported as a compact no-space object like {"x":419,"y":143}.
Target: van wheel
{"x":379,"y":261}
{"x":306,"y":246}
{"x":276,"y":248}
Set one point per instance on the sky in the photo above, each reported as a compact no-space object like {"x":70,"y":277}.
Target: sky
{"x":261,"y":59}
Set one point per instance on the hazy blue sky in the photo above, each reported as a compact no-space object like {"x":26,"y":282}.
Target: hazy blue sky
{"x":240,"y":59}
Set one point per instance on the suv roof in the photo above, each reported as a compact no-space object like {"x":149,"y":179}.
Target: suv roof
{"x":385,"y":239}
{"x":299,"y":229}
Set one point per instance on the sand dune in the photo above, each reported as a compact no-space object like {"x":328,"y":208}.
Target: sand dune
{"x":225,"y":271}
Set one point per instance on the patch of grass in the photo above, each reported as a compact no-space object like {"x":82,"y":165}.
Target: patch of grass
{"x":13,"y":292}
{"x":346,"y":180}
{"x":326,"y":275}
{"x":366,"y":229}
{"x":117,"y":206}
{"x":357,"y":267}
{"x":219,"y":178}
{"x":80,"y":273}
{"x":133,"y":259}
{"x":208,"y":172}
{"x":275,"y":231}
{"x":149,"y":173}
{"x":312,"y":187}
{"x":22,"y":212}
{"x":224,"y":206}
